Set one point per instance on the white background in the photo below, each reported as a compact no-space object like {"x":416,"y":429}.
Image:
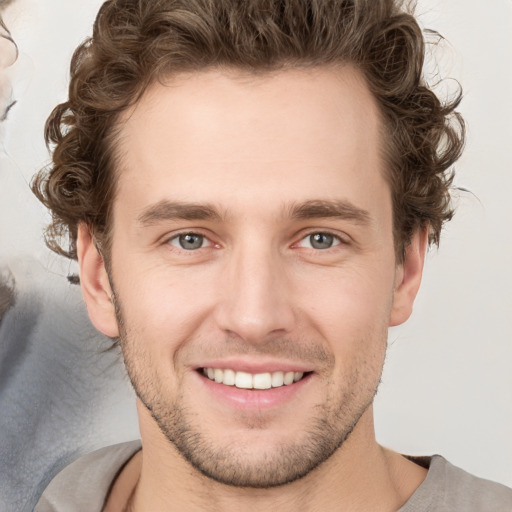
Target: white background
{"x":447,"y":385}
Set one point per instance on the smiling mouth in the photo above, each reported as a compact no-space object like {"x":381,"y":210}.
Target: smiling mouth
{"x":244,"y":380}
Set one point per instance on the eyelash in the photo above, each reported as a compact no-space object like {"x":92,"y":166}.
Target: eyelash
{"x":177,"y":236}
{"x":337,"y":239}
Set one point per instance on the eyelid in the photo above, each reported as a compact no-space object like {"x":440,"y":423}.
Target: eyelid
{"x":342,"y":238}
{"x":174,"y":236}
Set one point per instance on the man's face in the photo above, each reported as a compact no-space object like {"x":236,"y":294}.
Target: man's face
{"x":252,"y":244}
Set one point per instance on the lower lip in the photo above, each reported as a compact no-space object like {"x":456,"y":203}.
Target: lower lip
{"x":254,"y":399}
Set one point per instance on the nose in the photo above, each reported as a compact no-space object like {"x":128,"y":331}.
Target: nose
{"x":255,"y":301}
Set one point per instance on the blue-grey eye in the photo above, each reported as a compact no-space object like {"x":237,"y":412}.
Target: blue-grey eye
{"x":319,"y":241}
{"x":188,"y":241}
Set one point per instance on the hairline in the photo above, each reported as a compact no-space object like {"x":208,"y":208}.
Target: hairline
{"x":114,"y":137}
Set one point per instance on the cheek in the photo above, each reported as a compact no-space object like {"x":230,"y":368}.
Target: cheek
{"x":350,"y":310}
{"x":348,"y":304}
{"x":165,"y":305}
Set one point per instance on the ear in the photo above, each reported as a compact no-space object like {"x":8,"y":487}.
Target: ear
{"x":408,"y":278}
{"x":95,"y":284}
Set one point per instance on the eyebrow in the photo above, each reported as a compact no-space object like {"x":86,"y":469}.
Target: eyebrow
{"x":166,"y":210}
{"x":317,"y":209}
{"x":177,"y":210}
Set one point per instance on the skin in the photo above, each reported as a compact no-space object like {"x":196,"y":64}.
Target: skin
{"x":256,"y":293}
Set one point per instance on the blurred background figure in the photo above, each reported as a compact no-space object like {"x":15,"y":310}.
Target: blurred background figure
{"x":49,"y":354}
{"x":6,"y":293}
{"x":8,"y":54}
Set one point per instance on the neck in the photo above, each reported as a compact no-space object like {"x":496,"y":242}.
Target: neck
{"x":359,"y":476}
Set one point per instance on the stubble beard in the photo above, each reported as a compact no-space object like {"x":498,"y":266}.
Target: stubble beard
{"x":335,"y":420}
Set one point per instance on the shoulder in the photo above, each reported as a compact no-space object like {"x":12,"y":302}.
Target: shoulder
{"x":86,"y":482}
{"x":451,"y":489}
{"x":464,"y":488}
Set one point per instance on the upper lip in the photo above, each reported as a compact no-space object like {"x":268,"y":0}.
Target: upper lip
{"x":253,"y":366}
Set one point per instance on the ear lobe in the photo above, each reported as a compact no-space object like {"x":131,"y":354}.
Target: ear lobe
{"x":408,"y":278}
{"x":95,"y":284}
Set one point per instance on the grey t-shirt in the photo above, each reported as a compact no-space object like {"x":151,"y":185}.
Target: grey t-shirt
{"x":84,"y":485}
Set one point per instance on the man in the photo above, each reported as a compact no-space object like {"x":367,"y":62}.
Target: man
{"x":250,"y":189}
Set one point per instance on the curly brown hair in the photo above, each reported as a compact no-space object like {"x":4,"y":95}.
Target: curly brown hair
{"x":136,"y":42}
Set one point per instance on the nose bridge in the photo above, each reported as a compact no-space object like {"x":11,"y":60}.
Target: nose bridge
{"x":255,"y":300}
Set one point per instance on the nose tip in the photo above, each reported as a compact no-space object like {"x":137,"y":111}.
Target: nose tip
{"x":255,"y":303}
{"x":254,"y":330}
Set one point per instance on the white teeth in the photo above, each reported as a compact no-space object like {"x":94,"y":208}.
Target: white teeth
{"x":218,"y":375}
{"x":277,"y":379}
{"x":243,"y":380}
{"x":246,"y":380}
{"x":229,"y":378}
{"x":262,"y":381}
{"x":288,"y":378}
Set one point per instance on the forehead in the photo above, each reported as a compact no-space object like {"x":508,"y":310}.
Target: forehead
{"x":228,"y":136}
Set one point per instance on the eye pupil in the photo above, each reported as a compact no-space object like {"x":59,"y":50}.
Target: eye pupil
{"x":321,"y":240}
{"x":191,"y":241}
